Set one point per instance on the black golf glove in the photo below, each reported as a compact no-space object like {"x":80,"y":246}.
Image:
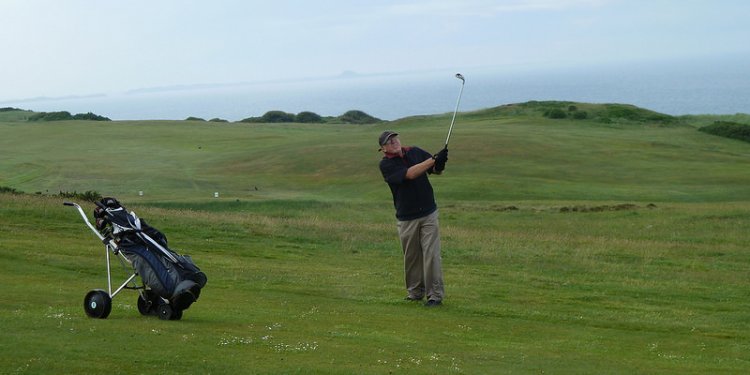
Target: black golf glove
{"x":440,"y":159}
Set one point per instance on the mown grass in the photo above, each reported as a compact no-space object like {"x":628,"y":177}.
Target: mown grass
{"x":568,"y":247}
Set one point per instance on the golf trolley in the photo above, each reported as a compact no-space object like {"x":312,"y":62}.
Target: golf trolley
{"x":169,"y":282}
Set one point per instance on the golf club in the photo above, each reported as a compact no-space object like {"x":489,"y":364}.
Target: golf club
{"x":461,"y":77}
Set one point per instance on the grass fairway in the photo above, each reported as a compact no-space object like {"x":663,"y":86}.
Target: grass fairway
{"x":568,"y":247}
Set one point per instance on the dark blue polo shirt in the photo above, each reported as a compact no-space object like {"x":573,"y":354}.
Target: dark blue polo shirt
{"x":411,"y":198}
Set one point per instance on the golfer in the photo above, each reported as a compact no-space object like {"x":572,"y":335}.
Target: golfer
{"x":405,"y":169}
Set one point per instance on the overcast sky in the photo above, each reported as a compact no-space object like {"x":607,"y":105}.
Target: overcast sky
{"x":79,"y":47}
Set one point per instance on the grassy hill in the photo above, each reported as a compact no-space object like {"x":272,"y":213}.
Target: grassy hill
{"x":505,"y":153}
{"x":569,"y":246}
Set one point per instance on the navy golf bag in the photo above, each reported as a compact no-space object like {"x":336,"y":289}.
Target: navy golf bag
{"x":170,"y":282}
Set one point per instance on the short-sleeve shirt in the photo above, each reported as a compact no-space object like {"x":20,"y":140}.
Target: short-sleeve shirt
{"x":412,"y":199}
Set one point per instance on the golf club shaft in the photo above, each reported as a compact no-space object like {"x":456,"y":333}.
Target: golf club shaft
{"x":453,"y":121}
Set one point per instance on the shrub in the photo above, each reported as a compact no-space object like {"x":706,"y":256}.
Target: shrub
{"x":191,"y":118}
{"x":9,"y":109}
{"x":51,"y":116}
{"x":277,"y":116}
{"x":580,"y":115}
{"x":217,"y":120}
{"x":5,"y":189}
{"x":308,"y":117}
{"x":358,"y":117}
{"x":65,"y":115}
{"x":90,"y":116}
{"x":728,"y":129}
{"x":89,"y":195}
{"x":555,"y":113}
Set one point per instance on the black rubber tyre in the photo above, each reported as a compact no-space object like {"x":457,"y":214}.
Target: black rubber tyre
{"x":148,"y":306}
{"x":165,"y":312}
{"x":176,"y":315}
{"x":97,"y":304}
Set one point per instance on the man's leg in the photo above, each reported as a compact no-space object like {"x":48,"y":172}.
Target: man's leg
{"x":433,"y":268}
{"x":408,"y":232}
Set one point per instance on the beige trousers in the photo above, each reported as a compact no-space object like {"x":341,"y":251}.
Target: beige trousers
{"x":420,"y":241}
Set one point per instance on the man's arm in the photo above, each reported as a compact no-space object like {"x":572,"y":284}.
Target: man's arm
{"x":417,"y":170}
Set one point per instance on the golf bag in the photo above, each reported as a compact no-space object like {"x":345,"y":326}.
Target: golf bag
{"x":170,"y":282}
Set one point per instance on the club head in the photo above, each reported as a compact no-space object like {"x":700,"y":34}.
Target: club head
{"x":460,"y":76}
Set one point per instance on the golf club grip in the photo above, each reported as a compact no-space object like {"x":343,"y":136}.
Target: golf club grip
{"x":68,"y":204}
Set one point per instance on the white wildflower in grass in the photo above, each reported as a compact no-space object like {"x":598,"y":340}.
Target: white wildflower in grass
{"x":299,"y":347}
{"x":454,"y":366}
{"x":233,"y":340}
{"x":313,"y":311}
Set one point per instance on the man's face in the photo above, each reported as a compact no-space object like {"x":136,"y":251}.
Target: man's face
{"x":392,"y":145}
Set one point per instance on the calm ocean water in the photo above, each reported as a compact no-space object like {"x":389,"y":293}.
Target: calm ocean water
{"x":676,"y":88}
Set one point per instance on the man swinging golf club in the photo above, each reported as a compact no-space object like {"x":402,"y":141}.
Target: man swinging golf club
{"x":405,"y":169}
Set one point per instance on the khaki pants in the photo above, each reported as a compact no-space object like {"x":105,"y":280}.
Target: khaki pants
{"x":420,"y":241}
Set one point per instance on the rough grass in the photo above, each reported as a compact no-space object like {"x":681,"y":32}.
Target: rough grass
{"x":529,"y":290}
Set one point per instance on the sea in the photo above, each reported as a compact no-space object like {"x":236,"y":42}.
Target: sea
{"x":676,"y":87}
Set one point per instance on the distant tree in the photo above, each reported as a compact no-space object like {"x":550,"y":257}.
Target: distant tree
{"x":277,"y":116}
{"x":358,"y":117}
{"x":9,"y":109}
{"x":217,"y":120}
{"x":251,"y":119}
{"x":191,"y":118}
{"x":90,"y":117}
{"x":308,"y":117}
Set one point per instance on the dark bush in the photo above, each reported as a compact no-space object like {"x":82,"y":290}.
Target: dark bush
{"x":90,"y":117}
{"x":217,"y":120}
{"x":65,"y":115}
{"x":728,"y":129}
{"x":277,"y":116}
{"x":358,"y":117}
{"x":51,"y":116}
{"x":191,"y":118}
{"x":5,"y":189}
{"x":580,"y":115}
{"x":9,"y":109}
{"x":308,"y":117}
{"x":555,"y":113}
{"x":89,"y":195}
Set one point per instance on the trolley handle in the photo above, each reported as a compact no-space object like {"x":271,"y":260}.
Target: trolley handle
{"x":85,"y":218}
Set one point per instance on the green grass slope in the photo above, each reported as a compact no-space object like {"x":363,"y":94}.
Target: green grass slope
{"x":569,"y":246}
{"x":496,"y":155}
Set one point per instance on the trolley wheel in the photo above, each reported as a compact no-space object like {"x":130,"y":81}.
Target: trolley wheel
{"x":165,"y":312}
{"x":176,"y":315}
{"x":149,"y":305}
{"x":97,"y":304}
